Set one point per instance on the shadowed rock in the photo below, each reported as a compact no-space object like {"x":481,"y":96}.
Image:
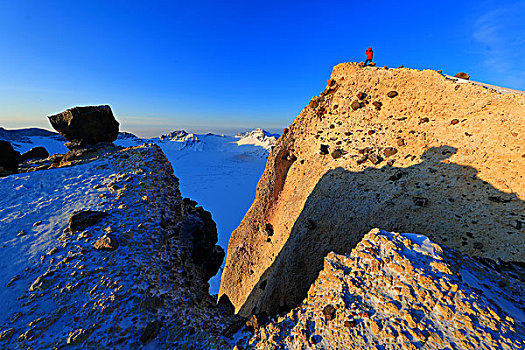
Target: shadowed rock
{"x":35,"y":152}
{"x":82,"y":220}
{"x":86,"y":125}
{"x":9,"y":158}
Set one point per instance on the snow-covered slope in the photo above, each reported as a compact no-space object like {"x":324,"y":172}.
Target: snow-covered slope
{"x":58,"y":288}
{"x":219,"y":172}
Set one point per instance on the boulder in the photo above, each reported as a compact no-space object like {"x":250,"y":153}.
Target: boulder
{"x":9,"y":158}
{"x":86,"y":125}
{"x":462,"y":75}
{"x":392,"y":94}
{"x":79,"y":221}
{"x":35,"y":152}
{"x":106,"y":242}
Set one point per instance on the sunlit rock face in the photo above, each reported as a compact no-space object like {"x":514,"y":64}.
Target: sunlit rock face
{"x":400,"y":149}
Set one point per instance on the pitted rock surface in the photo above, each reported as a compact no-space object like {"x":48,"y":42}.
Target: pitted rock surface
{"x":402,"y":291}
{"x":441,"y":181}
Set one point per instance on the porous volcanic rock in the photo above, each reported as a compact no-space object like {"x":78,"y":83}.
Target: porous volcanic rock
{"x":9,"y":158}
{"x":402,"y":291}
{"x":86,"y":125}
{"x":455,"y":168}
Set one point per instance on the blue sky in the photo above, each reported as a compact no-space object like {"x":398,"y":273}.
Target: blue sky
{"x":226,"y":66}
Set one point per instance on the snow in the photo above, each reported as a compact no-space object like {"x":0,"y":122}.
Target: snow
{"x":26,"y":199}
{"x":219,"y":172}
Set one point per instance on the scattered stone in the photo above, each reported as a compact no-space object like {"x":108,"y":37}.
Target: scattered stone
{"x":499,"y":199}
{"x":389,"y":151}
{"x":285,"y":131}
{"x":7,"y":334}
{"x":38,"y":223}
{"x":42,"y":282}
{"x":519,"y":224}
{"x":256,"y":321}
{"x":375,"y":159}
{"x":350,"y":323}
{"x":268,"y":229}
{"x":424,"y":120}
{"x":401,"y":142}
{"x":310,"y":224}
{"x":390,"y":162}
{"x":81,"y":220}
{"x":362,"y":159}
{"x":106,"y":242}
{"x":377,"y":105}
{"x":35,"y":153}
{"x":86,"y":125}
{"x":78,"y":336}
{"x":462,"y":75}
{"x":21,"y":233}
{"x":150,"y":331}
{"x":356,"y":105}
{"x":454,"y":121}
{"x":392,"y":94}
{"x":361,"y":95}
{"x":329,"y":312}
{"x":324,"y":149}
{"x":420,"y":201}
{"x":337,"y":153}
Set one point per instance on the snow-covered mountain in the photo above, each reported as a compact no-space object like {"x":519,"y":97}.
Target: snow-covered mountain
{"x":220,"y":172}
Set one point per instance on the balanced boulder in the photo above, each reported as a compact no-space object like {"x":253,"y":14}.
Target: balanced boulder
{"x":86,"y":125}
{"x":9,"y":158}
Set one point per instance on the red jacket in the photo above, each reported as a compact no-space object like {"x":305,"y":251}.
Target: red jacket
{"x":369,"y":53}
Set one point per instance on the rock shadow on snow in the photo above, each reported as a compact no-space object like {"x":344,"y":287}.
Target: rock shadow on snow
{"x":444,"y":201}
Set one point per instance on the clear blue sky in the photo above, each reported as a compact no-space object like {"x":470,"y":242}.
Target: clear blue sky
{"x":226,"y":66}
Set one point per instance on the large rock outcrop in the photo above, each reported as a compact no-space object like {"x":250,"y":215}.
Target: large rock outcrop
{"x":400,"y":149}
{"x":95,"y":255}
{"x":403,"y":291}
{"x":86,"y":125}
{"x":9,"y":158}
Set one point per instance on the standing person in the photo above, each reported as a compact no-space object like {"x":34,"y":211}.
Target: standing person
{"x":369,"y":56}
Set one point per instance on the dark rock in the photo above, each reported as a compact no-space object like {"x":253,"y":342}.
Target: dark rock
{"x":86,"y":125}
{"x":401,"y":66}
{"x":390,"y":162}
{"x":213,"y":263}
{"x":389,"y":151}
{"x":263,"y":285}
{"x":256,"y":321}
{"x":420,"y":201}
{"x":371,"y":132}
{"x":462,"y":75}
{"x":362,"y":159}
{"x":285,"y":131}
{"x":106,"y":242}
{"x":337,"y":153}
{"x":356,"y":105}
{"x":424,"y":120}
{"x":401,"y":142}
{"x":324,"y":149}
{"x":392,"y":94}
{"x":268,"y":229}
{"x":440,"y":71}
{"x":377,"y":105}
{"x":329,"y":312}
{"x":398,"y":175}
{"x":79,"y":221}
{"x":9,"y":158}
{"x":35,"y":152}
{"x":375,"y":159}
{"x":361,"y":95}
{"x":310,"y":224}
{"x":519,"y":224}
{"x":498,"y":199}
{"x":150,"y":332}
{"x":350,"y":324}
{"x":454,"y":121}
{"x":226,"y":305}
{"x":365,"y":150}
{"x":478,"y":245}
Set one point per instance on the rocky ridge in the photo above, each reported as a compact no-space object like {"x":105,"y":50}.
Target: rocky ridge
{"x":108,"y":255}
{"x":400,"y":149}
{"x":402,"y":291}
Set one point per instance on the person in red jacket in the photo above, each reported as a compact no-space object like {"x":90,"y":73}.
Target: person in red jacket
{"x":369,"y":56}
